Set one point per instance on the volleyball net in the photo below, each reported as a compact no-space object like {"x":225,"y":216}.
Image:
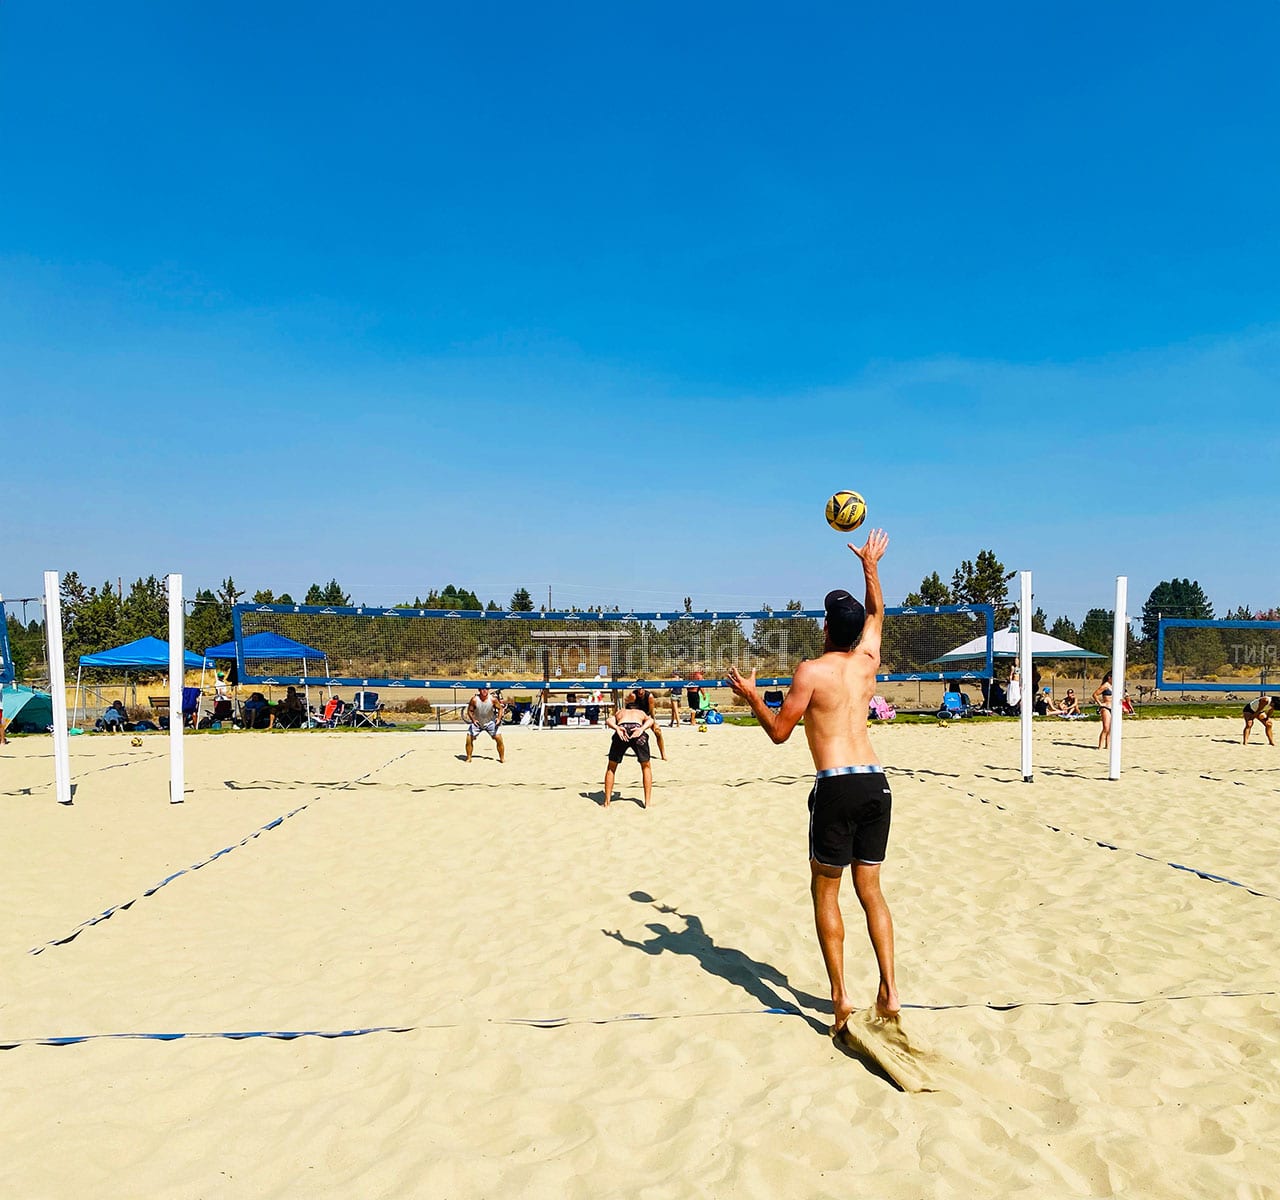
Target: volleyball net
{"x":1218,"y":656}
{"x":432,"y":648}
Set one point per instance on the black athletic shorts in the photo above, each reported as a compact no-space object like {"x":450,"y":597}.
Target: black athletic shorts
{"x":639,"y":746}
{"x":849,"y":813}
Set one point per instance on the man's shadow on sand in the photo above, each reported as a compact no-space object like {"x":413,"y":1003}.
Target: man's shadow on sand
{"x":597,"y":798}
{"x":725,"y":962}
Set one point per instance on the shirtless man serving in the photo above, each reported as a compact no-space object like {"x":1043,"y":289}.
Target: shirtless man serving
{"x":850,"y":805}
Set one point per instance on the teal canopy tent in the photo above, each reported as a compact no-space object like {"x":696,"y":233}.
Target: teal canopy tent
{"x":25,"y":709}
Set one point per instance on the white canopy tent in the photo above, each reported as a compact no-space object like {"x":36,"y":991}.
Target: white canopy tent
{"x":1004,"y":644}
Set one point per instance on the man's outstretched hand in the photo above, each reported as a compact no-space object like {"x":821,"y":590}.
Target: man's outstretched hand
{"x":742,"y":685}
{"x":873,"y":551}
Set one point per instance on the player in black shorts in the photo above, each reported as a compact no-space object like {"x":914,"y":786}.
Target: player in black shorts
{"x":849,"y":812}
{"x":850,"y":805}
{"x":630,"y":728}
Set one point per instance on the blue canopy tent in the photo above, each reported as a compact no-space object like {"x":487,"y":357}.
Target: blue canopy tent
{"x":268,"y":645}
{"x":148,"y":653}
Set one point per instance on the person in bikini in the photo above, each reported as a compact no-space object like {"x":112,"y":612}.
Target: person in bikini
{"x":850,"y":804}
{"x":484,"y":715}
{"x":630,"y":727}
{"x":1102,"y":698}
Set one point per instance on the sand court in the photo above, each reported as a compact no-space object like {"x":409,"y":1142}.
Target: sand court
{"x":625,"y":1002}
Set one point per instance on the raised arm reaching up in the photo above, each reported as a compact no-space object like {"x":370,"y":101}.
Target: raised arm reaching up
{"x":871,"y":554}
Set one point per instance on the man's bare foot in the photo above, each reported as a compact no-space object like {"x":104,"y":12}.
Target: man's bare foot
{"x":842,"y":1010}
{"x":887,"y":1002}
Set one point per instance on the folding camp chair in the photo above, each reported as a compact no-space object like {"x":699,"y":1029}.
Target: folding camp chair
{"x":953,"y":705}
{"x":331,"y":716}
{"x":190,"y":707}
{"x":773,"y":700}
{"x":223,"y":714}
{"x":365,"y":711}
{"x":881,"y":709}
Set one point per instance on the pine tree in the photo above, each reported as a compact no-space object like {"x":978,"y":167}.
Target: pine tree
{"x":1096,"y":630}
{"x":331,"y":594}
{"x":1179,"y":598}
{"x":1064,"y":629}
{"x":984,"y":581}
{"x":933,"y":593}
{"x":144,"y":612}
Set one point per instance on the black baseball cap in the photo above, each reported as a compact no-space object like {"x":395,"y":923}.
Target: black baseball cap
{"x":845,"y":618}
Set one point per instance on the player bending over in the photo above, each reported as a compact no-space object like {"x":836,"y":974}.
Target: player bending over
{"x":640,"y":697}
{"x":1260,"y":709}
{"x":484,"y":714}
{"x":850,"y":804}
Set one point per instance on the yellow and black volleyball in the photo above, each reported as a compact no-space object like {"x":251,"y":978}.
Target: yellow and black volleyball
{"x":846,"y":511}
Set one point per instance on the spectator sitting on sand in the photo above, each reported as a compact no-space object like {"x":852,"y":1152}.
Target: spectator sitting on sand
{"x":1044,"y":704}
{"x":114,"y":720}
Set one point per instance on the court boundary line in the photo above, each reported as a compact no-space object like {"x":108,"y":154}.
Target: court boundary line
{"x":1208,"y":876}
{"x":551,"y":1023}
{"x":108,"y":913}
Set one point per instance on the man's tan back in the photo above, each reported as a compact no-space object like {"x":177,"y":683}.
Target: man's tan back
{"x":835,"y":721}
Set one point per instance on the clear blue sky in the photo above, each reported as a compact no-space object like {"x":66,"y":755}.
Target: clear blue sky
{"x":612,"y":297}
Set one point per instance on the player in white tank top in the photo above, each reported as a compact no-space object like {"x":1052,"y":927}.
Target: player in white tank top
{"x":484,"y":715}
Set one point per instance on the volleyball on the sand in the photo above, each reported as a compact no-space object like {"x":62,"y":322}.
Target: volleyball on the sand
{"x":846,"y":511}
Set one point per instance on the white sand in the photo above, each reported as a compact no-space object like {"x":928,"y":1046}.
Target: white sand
{"x":415,"y":891}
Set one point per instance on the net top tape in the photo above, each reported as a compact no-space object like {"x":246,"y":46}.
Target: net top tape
{"x":481,"y":614}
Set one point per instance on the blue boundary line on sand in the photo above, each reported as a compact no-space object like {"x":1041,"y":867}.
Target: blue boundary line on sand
{"x":110,"y":912}
{"x":1087,"y":1002}
{"x":1209,"y":876}
{"x":287,"y":1035}
{"x":151,"y":891}
{"x":788,"y":1010}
